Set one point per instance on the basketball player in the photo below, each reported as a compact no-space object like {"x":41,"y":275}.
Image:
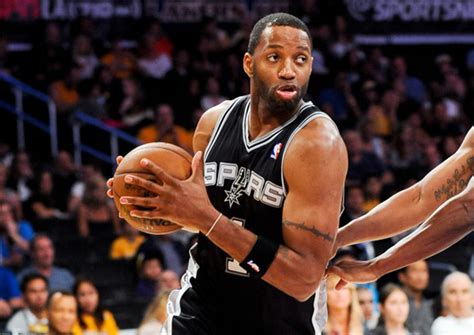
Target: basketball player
{"x":448,"y":191}
{"x":268,"y":206}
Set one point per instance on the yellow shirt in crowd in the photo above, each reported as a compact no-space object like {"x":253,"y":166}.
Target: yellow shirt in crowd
{"x":122,"y":247}
{"x":109,"y":326}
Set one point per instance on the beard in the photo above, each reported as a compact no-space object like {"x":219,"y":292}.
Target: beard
{"x":275,"y":104}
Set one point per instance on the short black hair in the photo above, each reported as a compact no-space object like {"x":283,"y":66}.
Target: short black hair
{"x":275,"y":19}
{"x":29,"y":278}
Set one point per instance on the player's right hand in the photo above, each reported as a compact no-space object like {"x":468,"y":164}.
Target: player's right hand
{"x":110,"y":182}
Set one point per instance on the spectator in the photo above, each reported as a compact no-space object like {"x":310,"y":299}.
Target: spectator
{"x":344,"y":313}
{"x":10,"y":297}
{"x":62,"y":314}
{"x":21,"y":175}
{"x":164,"y":130}
{"x":354,"y":204}
{"x":88,"y":172}
{"x":373,"y":191}
{"x":42,"y":205}
{"x":415,"y":280}
{"x":155,"y":315}
{"x":171,"y":246}
{"x":126,"y":245}
{"x":121,"y":62}
{"x":91,"y":316}
{"x":162,"y":44}
{"x":42,"y":260}
{"x":362,"y":164}
{"x":169,"y":281}
{"x":7,"y":194}
{"x":64,"y":92}
{"x":131,"y":111}
{"x":151,"y":63}
{"x":32,"y":318}
{"x":394,"y":308}
{"x":366,"y":302}
{"x":213,"y":96}
{"x":64,"y":176}
{"x":97,"y":216}
{"x":150,"y":266}
{"x":83,"y":54}
{"x":49,"y":55}
{"x":14,"y":237}
{"x":414,"y":86}
{"x":457,"y":297}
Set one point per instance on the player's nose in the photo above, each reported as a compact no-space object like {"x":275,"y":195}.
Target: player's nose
{"x":287,"y":72}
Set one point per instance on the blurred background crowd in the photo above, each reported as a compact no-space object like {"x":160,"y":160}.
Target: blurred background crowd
{"x":401,"y":112}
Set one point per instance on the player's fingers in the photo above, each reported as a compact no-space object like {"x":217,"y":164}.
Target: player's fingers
{"x":154,"y":214}
{"x":146,"y":184}
{"x":139,"y":201}
{"x":197,"y":166}
{"x":341,"y":284}
{"x":157,"y":171}
{"x":110,"y":182}
{"x":119,"y":159}
{"x":110,"y":193}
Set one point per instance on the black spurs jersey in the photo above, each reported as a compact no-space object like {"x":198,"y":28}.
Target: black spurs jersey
{"x":245,"y":182}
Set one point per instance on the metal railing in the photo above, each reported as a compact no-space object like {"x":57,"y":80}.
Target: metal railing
{"x":81,"y":119}
{"x":50,"y":127}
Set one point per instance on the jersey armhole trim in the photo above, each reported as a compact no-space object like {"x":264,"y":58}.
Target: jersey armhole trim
{"x":218,"y":127}
{"x":307,"y":120}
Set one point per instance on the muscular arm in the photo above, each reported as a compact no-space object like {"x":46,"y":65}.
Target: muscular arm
{"x":412,"y":206}
{"x":310,"y":213}
{"x":448,"y":224}
{"x":315,"y":168}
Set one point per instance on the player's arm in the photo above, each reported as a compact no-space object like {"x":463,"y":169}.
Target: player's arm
{"x":315,"y":169}
{"x":448,"y":224}
{"x":412,"y":206}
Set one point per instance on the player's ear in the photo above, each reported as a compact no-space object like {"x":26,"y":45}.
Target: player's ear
{"x":248,"y":64}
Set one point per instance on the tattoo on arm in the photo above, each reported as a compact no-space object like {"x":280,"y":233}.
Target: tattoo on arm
{"x":457,"y":182}
{"x":311,"y":229}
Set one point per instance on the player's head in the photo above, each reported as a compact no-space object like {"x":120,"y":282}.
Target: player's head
{"x":278,"y":61}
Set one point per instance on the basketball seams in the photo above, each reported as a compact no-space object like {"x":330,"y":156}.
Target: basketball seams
{"x":180,"y":153}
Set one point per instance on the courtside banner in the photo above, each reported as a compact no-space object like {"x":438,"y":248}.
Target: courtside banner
{"x":412,"y":21}
{"x":95,"y":9}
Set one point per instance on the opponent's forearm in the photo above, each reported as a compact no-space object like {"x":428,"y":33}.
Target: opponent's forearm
{"x":447,"y":225}
{"x":389,"y":218}
{"x":412,"y":206}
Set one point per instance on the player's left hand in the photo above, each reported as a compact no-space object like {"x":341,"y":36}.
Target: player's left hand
{"x":184,"y":202}
{"x":353,"y":271}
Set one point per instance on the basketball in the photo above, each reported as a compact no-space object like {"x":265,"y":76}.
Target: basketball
{"x":171,"y":158}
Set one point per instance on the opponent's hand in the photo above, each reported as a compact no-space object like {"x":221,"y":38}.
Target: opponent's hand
{"x":110,"y":182}
{"x":181,"y":201}
{"x":353,"y":271}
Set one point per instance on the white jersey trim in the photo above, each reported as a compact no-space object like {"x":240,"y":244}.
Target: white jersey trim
{"x":173,"y":307}
{"x":267,"y":138}
{"x":219,"y":125}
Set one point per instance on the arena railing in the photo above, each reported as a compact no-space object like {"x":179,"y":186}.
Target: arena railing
{"x":19,"y":90}
{"x":50,"y":127}
{"x":81,"y":119}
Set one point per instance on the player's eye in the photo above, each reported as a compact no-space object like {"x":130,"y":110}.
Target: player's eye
{"x":301,"y":59}
{"x":272,"y":58}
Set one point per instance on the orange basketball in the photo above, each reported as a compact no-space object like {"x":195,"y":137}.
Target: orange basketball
{"x":171,"y":158}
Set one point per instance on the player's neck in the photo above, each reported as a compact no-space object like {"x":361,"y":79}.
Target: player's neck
{"x":262,"y":120}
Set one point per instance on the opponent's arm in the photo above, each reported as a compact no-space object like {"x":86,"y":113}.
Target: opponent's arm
{"x":315,"y":169}
{"x":448,"y":224}
{"x":412,"y":206}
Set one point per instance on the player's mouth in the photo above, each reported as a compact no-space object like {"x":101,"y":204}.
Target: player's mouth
{"x":287,"y":92}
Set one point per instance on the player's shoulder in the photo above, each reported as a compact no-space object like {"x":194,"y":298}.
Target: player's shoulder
{"x":319,"y":136}
{"x":206,"y":125}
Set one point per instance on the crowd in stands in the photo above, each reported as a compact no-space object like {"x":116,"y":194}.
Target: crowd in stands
{"x":59,"y":233}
